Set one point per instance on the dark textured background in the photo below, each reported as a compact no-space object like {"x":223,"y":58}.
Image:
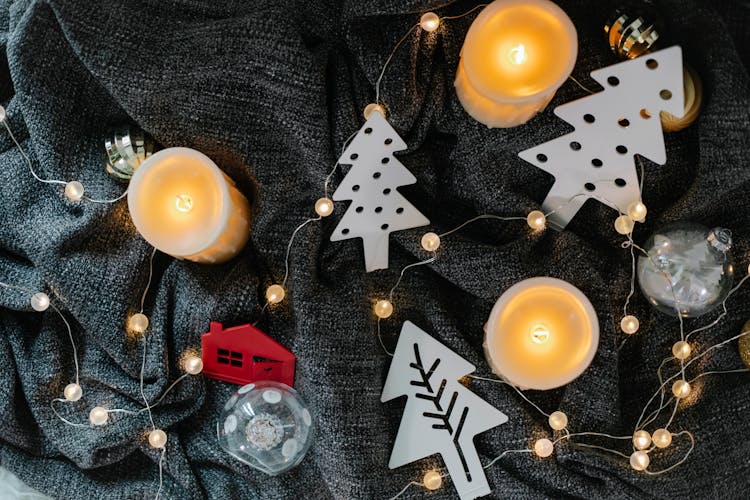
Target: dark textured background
{"x":270,"y":90}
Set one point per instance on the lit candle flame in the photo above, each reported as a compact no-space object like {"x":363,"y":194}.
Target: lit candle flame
{"x":517,"y":54}
{"x":184,"y":203}
{"x":540,"y":334}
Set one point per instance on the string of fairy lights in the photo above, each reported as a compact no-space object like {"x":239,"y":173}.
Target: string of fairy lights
{"x":643,"y":442}
{"x":136,"y":326}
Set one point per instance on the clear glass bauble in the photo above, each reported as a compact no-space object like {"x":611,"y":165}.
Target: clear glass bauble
{"x":267,"y":426}
{"x":688,"y":268}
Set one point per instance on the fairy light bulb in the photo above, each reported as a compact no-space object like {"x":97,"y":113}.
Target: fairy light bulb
{"x":681,"y":389}
{"x":383,"y":308}
{"x":432,"y":480}
{"x":662,"y":438}
{"x":430,"y":242}
{"x":629,"y":324}
{"x":681,"y":349}
{"x":429,"y":22}
{"x":639,"y":460}
{"x":373,"y":108}
{"x":184,"y":203}
{"x":275,"y":294}
{"x":324,"y":207}
{"x":558,"y":420}
{"x":517,"y":55}
{"x":624,"y":224}
{"x":157,"y":438}
{"x":543,"y":447}
{"x":138,"y":323}
{"x":39,"y":301}
{"x":536,"y":220}
{"x":637,"y":211}
{"x":193,"y":365}
{"x":540,"y":334}
{"x":641,"y":440}
{"x":3,"y":114}
{"x":74,"y":191}
{"x":72,"y":392}
{"x":98,"y":416}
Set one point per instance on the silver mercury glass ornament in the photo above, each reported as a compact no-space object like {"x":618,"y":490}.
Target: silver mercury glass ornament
{"x":126,"y":148}
{"x":688,"y":269}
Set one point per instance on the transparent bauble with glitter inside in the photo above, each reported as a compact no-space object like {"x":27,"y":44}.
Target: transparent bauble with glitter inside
{"x":688,"y":268}
{"x":267,"y":426}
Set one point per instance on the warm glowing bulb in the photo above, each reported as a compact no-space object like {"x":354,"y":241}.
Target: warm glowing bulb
{"x":193,"y":365}
{"x":429,"y":22}
{"x":637,"y":211}
{"x":184,"y":203}
{"x":324,"y":207}
{"x":540,"y":334}
{"x":430,"y":242}
{"x":536,"y":219}
{"x":681,"y":389}
{"x":641,"y":440}
{"x":517,"y":54}
{"x":72,"y":392}
{"x":275,"y":294}
{"x":432,"y":480}
{"x":662,"y":438}
{"x":681,"y":350}
{"x":40,"y":301}
{"x":373,"y":108}
{"x":98,"y":416}
{"x":543,"y":447}
{"x":138,"y":323}
{"x":629,"y":324}
{"x":624,"y":224}
{"x":157,"y":438}
{"x":558,"y":420}
{"x":639,"y":460}
{"x":383,"y":308}
{"x":74,"y":191}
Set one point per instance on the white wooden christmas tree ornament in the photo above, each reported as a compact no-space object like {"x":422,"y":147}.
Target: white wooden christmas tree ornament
{"x":597,"y":160}
{"x":377,"y":208}
{"x":441,"y":415}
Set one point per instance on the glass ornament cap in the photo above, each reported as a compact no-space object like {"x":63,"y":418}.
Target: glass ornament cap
{"x":267,"y":426}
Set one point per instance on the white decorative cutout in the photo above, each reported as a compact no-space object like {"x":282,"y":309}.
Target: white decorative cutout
{"x":441,"y":415}
{"x":597,"y":158}
{"x":377,"y":208}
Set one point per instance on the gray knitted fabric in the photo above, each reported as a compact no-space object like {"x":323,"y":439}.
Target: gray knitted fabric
{"x":270,"y":90}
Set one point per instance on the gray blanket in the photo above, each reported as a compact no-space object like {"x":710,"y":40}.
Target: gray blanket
{"x":270,"y":90}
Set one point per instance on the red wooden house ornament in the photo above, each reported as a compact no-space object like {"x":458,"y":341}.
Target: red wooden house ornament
{"x":244,"y":354}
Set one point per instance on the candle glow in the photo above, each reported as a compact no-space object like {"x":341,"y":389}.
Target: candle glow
{"x":515,"y":56}
{"x":185,"y":206}
{"x":541,"y":334}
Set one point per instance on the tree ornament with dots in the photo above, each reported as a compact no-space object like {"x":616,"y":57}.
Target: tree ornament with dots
{"x":377,"y":208}
{"x":597,"y":159}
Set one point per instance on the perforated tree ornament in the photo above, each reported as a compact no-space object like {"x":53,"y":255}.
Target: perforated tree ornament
{"x":597,"y":160}
{"x":377,"y":208}
{"x":441,"y":415}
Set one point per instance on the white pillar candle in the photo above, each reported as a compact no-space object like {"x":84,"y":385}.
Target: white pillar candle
{"x":185,"y":206}
{"x":515,"y":56}
{"x":542,"y":333}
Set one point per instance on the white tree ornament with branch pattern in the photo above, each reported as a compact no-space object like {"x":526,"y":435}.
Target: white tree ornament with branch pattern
{"x":377,"y":208}
{"x":441,"y":415}
{"x":597,"y":159}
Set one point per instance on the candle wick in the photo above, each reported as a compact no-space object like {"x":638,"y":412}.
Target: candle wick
{"x":184,"y":203}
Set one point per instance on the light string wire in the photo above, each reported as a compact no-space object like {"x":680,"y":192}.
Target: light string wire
{"x":630,"y":244}
{"x":147,"y":405}
{"x":30,"y":165}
